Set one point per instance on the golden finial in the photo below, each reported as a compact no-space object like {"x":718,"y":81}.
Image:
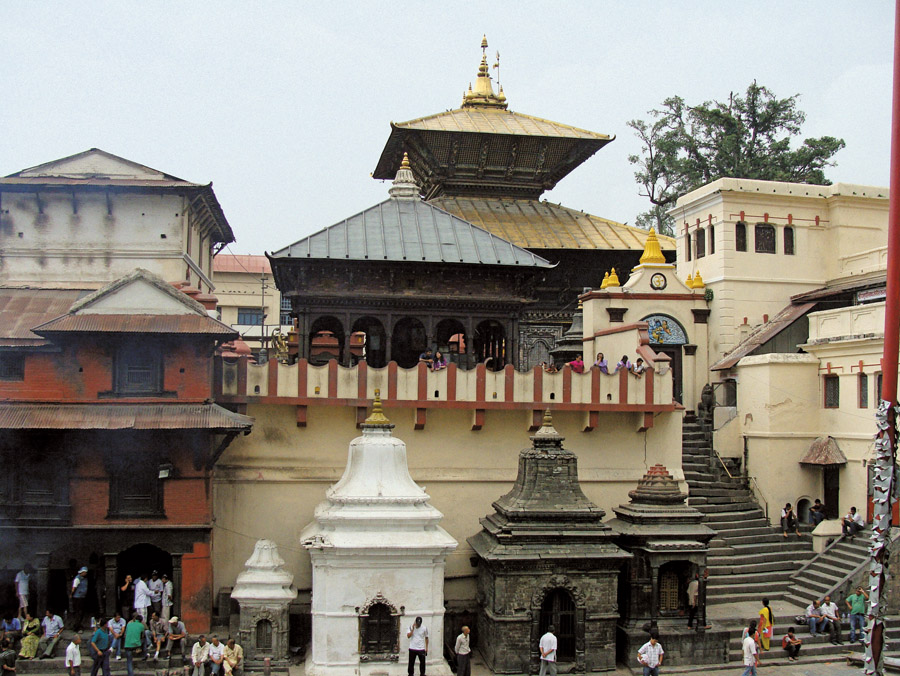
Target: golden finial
{"x":580,"y":305}
{"x":689,"y":282}
{"x":605,"y":281}
{"x":405,"y":163}
{"x":482,"y":94}
{"x":652,"y":251}
{"x":484,"y":44}
{"x":698,"y":281}
{"x":377,"y":417}
{"x":613,"y":278}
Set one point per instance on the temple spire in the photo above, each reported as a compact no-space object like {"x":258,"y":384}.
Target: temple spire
{"x":405,"y":186}
{"x":482,"y":94}
{"x":652,"y":252}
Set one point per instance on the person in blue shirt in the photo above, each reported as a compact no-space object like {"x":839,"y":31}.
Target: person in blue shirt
{"x":100,"y":648}
{"x":79,"y":592}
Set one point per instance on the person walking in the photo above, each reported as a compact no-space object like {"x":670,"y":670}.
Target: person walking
{"x":418,"y":646}
{"x":100,"y":648}
{"x":856,"y":603}
{"x":650,"y":655}
{"x":792,"y":645}
{"x":751,"y":656}
{"x":463,"y":653}
{"x":766,"y":625}
{"x":73,"y":656}
{"x":693,"y":594}
{"x":134,"y":635}
{"x":547,"y":647}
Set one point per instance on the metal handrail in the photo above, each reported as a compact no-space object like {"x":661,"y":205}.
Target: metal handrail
{"x":756,"y":493}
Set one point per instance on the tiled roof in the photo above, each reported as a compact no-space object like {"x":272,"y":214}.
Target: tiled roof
{"x":824,"y":451}
{"x":145,"y":324}
{"x":410,"y":230}
{"x":121,"y":417}
{"x":23,"y":309}
{"x":541,"y":225}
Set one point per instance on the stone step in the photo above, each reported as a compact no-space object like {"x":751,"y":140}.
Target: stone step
{"x":739,"y":538}
{"x":738,"y":499}
{"x":713,"y":491}
{"x":742,"y":506}
{"x":738,"y":567}
{"x":777,"y":576}
{"x":694,"y":466}
{"x":734,"y":516}
{"x":793,"y":559}
{"x":743,"y":595}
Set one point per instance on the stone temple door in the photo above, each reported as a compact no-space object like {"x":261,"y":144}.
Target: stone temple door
{"x":667,"y":336}
{"x":558,"y":610}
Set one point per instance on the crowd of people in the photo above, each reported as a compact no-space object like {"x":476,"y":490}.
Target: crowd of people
{"x":578,"y":365}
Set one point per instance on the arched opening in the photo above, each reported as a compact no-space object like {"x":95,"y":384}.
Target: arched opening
{"x":374,"y":340}
{"x":490,"y":344}
{"x":667,"y":336}
{"x":673,"y":580}
{"x":408,"y":342}
{"x":558,"y":609}
{"x":450,"y":336}
{"x":326,"y":340}
{"x":263,"y":636}
{"x":803,"y":505}
{"x":142,"y":560}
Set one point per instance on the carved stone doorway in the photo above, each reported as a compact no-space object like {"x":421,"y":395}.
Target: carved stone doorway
{"x":558,"y":609}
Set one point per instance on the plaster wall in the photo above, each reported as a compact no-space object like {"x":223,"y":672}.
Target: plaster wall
{"x":90,"y":238}
{"x":244,"y":290}
{"x":267,"y":484}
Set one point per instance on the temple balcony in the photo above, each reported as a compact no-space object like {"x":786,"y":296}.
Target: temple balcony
{"x":240,"y":383}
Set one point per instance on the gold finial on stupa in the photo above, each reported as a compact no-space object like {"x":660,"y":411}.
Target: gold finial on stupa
{"x":613,"y":278}
{"x":484,"y":44}
{"x":605,"y":281}
{"x":689,"y":282}
{"x":698,"y":281}
{"x":405,"y":163}
{"x":652,"y":251}
{"x":377,"y":417}
{"x":482,"y":94}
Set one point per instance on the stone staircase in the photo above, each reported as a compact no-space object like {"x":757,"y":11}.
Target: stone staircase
{"x":748,"y":559}
{"x":830,"y":572}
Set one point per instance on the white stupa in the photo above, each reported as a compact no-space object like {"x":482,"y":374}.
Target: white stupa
{"x":378,"y":558}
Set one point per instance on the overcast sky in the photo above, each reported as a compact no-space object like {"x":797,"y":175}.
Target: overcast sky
{"x":285,"y":106}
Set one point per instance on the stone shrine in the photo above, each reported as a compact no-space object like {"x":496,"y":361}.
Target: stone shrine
{"x":264,"y":591}
{"x":546,"y":557}
{"x":669,"y":545}
{"x":378,"y":558}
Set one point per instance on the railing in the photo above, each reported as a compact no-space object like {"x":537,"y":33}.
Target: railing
{"x":752,"y":483}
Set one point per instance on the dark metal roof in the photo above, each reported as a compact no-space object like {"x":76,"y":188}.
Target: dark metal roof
{"x":845,"y":286}
{"x":410,"y":230}
{"x":22,"y":309}
{"x":121,"y":417}
{"x":173,"y":324}
{"x":824,"y":451}
{"x":781,"y":321}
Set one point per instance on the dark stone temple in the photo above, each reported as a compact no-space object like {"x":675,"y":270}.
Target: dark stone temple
{"x":546,"y":557}
{"x":669,"y":545}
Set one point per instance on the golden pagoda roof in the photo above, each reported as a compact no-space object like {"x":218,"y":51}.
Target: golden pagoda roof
{"x":486,"y":120}
{"x":534,"y":224}
{"x":652,"y":251}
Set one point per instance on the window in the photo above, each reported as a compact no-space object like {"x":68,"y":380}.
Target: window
{"x":285,"y":311}
{"x":878,"y":378}
{"x":832,"y":392}
{"x":765,"y":238}
{"x":135,"y":489}
{"x":12,"y":366}
{"x":264,"y":635}
{"x":740,"y":236}
{"x":687,"y":243}
{"x":863,"y":385}
{"x":139,"y":369}
{"x":712,"y":239}
{"x":788,"y":241}
{"x":250,"y":316}
{"x":701,"y":243}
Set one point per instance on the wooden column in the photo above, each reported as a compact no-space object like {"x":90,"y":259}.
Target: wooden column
{"x":41,"y":583}
{"x":176,"y":584}
{"x":112,"y":591}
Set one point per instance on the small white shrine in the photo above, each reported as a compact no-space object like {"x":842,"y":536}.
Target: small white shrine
{"x":378,"y":558}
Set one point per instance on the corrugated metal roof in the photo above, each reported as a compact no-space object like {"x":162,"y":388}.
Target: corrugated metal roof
{"x":23,"y":309}
{"x":824,"y":451}
{"x":90,"y":323}
{"x":844,"y":286}
{"x":541,"y":225}
{"x":763,"y":333}
{"x":410,"y":230}
{"x":226,"y":262}
{"x":121,"y":417}
{"x":497,"y":121}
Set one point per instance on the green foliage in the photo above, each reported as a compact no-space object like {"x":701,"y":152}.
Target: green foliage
{"x":685,"y":147}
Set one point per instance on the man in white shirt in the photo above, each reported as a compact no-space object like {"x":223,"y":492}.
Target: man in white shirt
{"x":22,"y":579}
{"x":73,"y":656}
{"x":141,"y":597}
{"x":751,"y":657}
{"x":418,"y":646}
{"x":693,"y":594}
{"x":200,"y":656}
{"x":463,"y":652}
{"x":814,"y":618}
{"x":155,"y":585}
{"x":117,"y":634}
{"x":547,"y":646}
{"x":832,"y":617}
{"x":852,"y":523}
{"x":650,"y":655}
{"x":52,"y":625}
{"x":168,"y":594}
{"x":216,"y":655}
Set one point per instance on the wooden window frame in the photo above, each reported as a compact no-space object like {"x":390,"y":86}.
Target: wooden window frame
{"x":827,"y":382}
{"x":862,"y":385}
{"x":759,"y":242}
{"x":789,"y":241}
{"x":740,"y":236}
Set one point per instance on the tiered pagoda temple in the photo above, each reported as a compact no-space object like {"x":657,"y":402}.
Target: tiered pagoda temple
{"x":545,"y":557}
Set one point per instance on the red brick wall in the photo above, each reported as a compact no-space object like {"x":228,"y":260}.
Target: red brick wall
{"x":196,"y":589}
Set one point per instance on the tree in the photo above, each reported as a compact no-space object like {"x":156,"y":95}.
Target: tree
{"x":685,"y":147}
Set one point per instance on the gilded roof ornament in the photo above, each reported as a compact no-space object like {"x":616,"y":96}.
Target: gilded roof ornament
{"x":698,"y":281}
{"x":483,"y":96}
{"x":613,"y":278}
{"x":605,"y":281}
{"x":689,"y":282}
{"x":405,"y":186}
{"x":652,"y":252}
{"x":377,"y":418}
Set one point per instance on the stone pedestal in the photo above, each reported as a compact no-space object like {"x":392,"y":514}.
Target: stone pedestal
{"x":378,"y":557}
{"x":264,"y":591}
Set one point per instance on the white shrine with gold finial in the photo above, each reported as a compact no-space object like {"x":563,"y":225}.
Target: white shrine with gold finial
{"x":378,"y":555}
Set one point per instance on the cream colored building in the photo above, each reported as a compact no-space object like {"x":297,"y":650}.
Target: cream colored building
{"x":795,"y":328}
{"x":248,"y":299}
{"x":85,"y":220}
